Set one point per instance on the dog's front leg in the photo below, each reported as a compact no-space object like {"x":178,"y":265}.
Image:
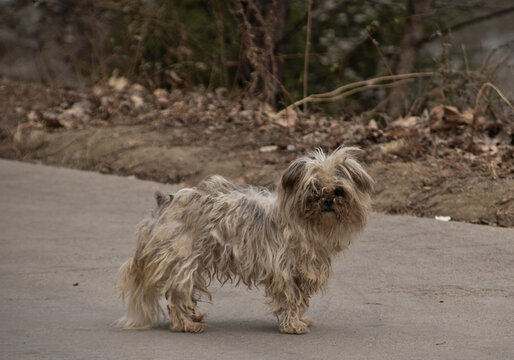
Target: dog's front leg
{"x":291,"y":322}
{"x":289,"y":306}
{"x":307,"y":320}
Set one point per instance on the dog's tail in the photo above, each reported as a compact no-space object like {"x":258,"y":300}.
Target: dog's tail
{"x":141,"y":295}
{"x":137,"y":287}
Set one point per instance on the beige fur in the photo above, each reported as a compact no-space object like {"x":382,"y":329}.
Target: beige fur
{"x":283,"y":241}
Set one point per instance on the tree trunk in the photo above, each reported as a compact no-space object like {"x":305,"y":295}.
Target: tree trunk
{"x":397,"y":103}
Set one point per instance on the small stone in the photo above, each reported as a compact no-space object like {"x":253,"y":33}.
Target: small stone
{"x":269,"y":148}
{"x":372,"y":125}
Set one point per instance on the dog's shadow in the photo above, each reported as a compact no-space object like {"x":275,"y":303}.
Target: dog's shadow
{"x":240,"y":327}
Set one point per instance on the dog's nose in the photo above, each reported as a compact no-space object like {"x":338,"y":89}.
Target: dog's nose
{"x":328,"y":204}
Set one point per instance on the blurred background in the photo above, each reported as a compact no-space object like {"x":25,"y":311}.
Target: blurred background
{"x":173,"y":91}
{"x":259,"y":46}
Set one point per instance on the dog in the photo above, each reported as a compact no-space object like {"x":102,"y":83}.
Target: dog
{"x":283,"y":240}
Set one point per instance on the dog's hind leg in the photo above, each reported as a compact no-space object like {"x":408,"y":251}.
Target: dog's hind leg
{"x":182,"y":300}
{"x":181,"y":321}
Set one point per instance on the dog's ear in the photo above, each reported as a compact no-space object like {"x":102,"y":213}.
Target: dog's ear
{"x":162,"y":199}
{"x":293,"y":174}
{"x":362,"y":180}
{"x":349,"y":167}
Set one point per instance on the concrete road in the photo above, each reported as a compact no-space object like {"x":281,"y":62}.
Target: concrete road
{"x":409,"y":289}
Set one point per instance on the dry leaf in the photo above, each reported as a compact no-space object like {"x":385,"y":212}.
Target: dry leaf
{"x":394,"y":147}
{"x":445,"y":117}
{"x":409,"y":122}
{"x":118,"y":83}
{"x":400,"y":133}
{"x":137,"y":100}
{"x":285,"y":118}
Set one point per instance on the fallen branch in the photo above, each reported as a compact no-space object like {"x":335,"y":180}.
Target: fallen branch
{"x":358,"y":89}
{"x":348,"y":89}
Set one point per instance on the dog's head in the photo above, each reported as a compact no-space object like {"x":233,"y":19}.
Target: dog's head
{"x":327,"y":190}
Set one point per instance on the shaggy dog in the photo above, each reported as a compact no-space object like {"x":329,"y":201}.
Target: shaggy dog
{"x":283,"y":241}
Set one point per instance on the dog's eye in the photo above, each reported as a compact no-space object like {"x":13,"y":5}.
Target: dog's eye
{"x":312,"y":199}
{"x":339,"y":192}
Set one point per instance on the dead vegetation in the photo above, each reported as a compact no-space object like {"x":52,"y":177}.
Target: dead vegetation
{"x":445,"y":161}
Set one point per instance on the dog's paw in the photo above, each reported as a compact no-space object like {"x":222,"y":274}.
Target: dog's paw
{"x":297,"y":328}
{"x":189,"y":327}
{"x":195,"y":327}
{"x":198,"y":317}
{"x":308,"y":321}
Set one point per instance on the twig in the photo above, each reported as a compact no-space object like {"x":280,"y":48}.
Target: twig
{"x":97,"y":54}
{"x":476,"y":108}
{"x":282,"y":87}
{"x":485,"y":64}
{"x":479,"y":95}
{"x":468,"y":22}
{"x":258,"y":47}
{"x":307,"y":48}
{"x":380,"y":53}
{"x":139,"y":48}
{"x":220,"y":34}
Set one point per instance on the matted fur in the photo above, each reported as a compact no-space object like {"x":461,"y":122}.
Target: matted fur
{"x":283,"y":241}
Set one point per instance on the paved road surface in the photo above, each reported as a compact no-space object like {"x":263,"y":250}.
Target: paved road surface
{"x":409,"y":289}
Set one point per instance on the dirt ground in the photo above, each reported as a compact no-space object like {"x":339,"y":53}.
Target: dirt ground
{"x":444,"y":162}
